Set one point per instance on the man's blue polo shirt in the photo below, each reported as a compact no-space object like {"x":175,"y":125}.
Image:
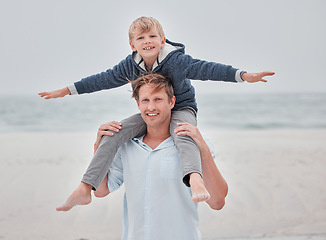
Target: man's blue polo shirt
{"x":157,"y":205}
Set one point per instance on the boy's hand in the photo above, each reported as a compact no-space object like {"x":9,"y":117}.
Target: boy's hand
{"x":103,"y":130}
{"x":256,"y":77}
{"x":55,"y":94}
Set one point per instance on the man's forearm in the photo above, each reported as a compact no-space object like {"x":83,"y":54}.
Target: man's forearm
{"x":214,"y":181}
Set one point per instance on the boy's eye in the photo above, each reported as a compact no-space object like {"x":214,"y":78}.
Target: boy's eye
{"x":153,"y":36}
{"x":139,"y":38}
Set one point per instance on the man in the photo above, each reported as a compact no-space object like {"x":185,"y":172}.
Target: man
{"x":157,"y":205}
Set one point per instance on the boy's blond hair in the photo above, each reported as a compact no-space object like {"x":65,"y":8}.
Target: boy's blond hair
{"x":145,"y":24}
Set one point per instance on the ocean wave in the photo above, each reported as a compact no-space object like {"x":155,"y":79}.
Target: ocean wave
{"x":216,"y":111}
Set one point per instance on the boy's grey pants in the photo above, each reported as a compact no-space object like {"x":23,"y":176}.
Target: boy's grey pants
{"x":135,"y":126}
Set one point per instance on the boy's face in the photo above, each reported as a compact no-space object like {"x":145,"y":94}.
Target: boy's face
{"x":155,"y":107}
{"x":147,"y":44}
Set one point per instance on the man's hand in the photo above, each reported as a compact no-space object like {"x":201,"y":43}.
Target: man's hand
{"x":191,"y":131}
{"x":55,"y":94}
{"x":256,"y":77}
{"x":103,"y":130}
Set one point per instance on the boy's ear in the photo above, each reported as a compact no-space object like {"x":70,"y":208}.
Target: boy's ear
{"x":163,"y":42}
{"x":132,"y":46}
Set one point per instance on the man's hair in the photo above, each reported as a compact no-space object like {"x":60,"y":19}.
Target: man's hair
{"x":157,"y":81}
{"x":145,"y":24}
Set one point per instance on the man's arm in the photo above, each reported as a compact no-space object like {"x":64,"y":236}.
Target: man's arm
{"x":113,"y":180}
{"x":213,"y":179}
{"x":103,"y":189}
{"x":113,"y":126}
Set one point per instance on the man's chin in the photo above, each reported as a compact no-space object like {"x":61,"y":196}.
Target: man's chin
{"x":151,"y":123}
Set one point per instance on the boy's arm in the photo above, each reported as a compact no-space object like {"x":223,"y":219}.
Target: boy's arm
{"x":213,"y":179}
{"x":112,"y":78}
{"x":256,"y":77}
{"x":197,"y":69}
{"x":55,"y":94}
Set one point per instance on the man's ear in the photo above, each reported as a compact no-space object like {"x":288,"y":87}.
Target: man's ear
{"x":172,"y":102}
{"x":132,"y":46}
{"x":137,"y":101}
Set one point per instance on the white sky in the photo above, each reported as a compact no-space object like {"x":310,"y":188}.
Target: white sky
{"x":46,"y":45}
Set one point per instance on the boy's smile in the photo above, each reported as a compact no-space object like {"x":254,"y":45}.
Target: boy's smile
{"x":148,"y":45}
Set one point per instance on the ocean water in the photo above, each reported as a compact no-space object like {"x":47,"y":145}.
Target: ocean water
{"x":216,"y":111}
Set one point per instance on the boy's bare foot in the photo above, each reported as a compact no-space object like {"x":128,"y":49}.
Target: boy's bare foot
{"x":198,"y":189}
{"x":81,"y":196}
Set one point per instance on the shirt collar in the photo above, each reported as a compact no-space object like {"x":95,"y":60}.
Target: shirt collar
{"x":165,"y":144}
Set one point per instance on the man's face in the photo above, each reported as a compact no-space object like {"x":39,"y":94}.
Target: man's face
{"x":155,"y":107}
{"x":147,"y":44}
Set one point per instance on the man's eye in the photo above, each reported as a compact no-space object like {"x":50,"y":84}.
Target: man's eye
{"x":158,"y":99}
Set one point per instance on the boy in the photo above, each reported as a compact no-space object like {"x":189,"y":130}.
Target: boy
{"x":152,"y":52}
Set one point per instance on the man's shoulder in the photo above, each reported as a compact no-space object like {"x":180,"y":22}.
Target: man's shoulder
{"x":210,"y":145}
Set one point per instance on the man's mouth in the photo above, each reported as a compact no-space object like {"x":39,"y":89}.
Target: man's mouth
{"x":152,"y":114}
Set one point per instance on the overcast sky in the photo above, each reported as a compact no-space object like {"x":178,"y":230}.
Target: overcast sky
{"x":46,"y":45}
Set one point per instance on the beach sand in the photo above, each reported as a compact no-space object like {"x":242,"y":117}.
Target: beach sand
{"x":276,"y":187}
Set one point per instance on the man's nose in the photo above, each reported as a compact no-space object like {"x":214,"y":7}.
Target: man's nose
{"x":151,"y":106}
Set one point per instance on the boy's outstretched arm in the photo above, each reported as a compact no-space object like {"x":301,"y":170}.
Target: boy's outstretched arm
{"x":55,"y":94}
{"x":256,"y":77}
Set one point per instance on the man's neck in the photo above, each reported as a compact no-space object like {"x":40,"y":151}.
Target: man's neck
{"x":155,"y":137}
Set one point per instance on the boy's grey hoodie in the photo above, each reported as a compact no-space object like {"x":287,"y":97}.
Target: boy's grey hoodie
{"x":172,"y":62}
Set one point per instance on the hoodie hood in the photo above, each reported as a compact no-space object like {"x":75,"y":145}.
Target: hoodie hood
{"x":164,"y":54}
